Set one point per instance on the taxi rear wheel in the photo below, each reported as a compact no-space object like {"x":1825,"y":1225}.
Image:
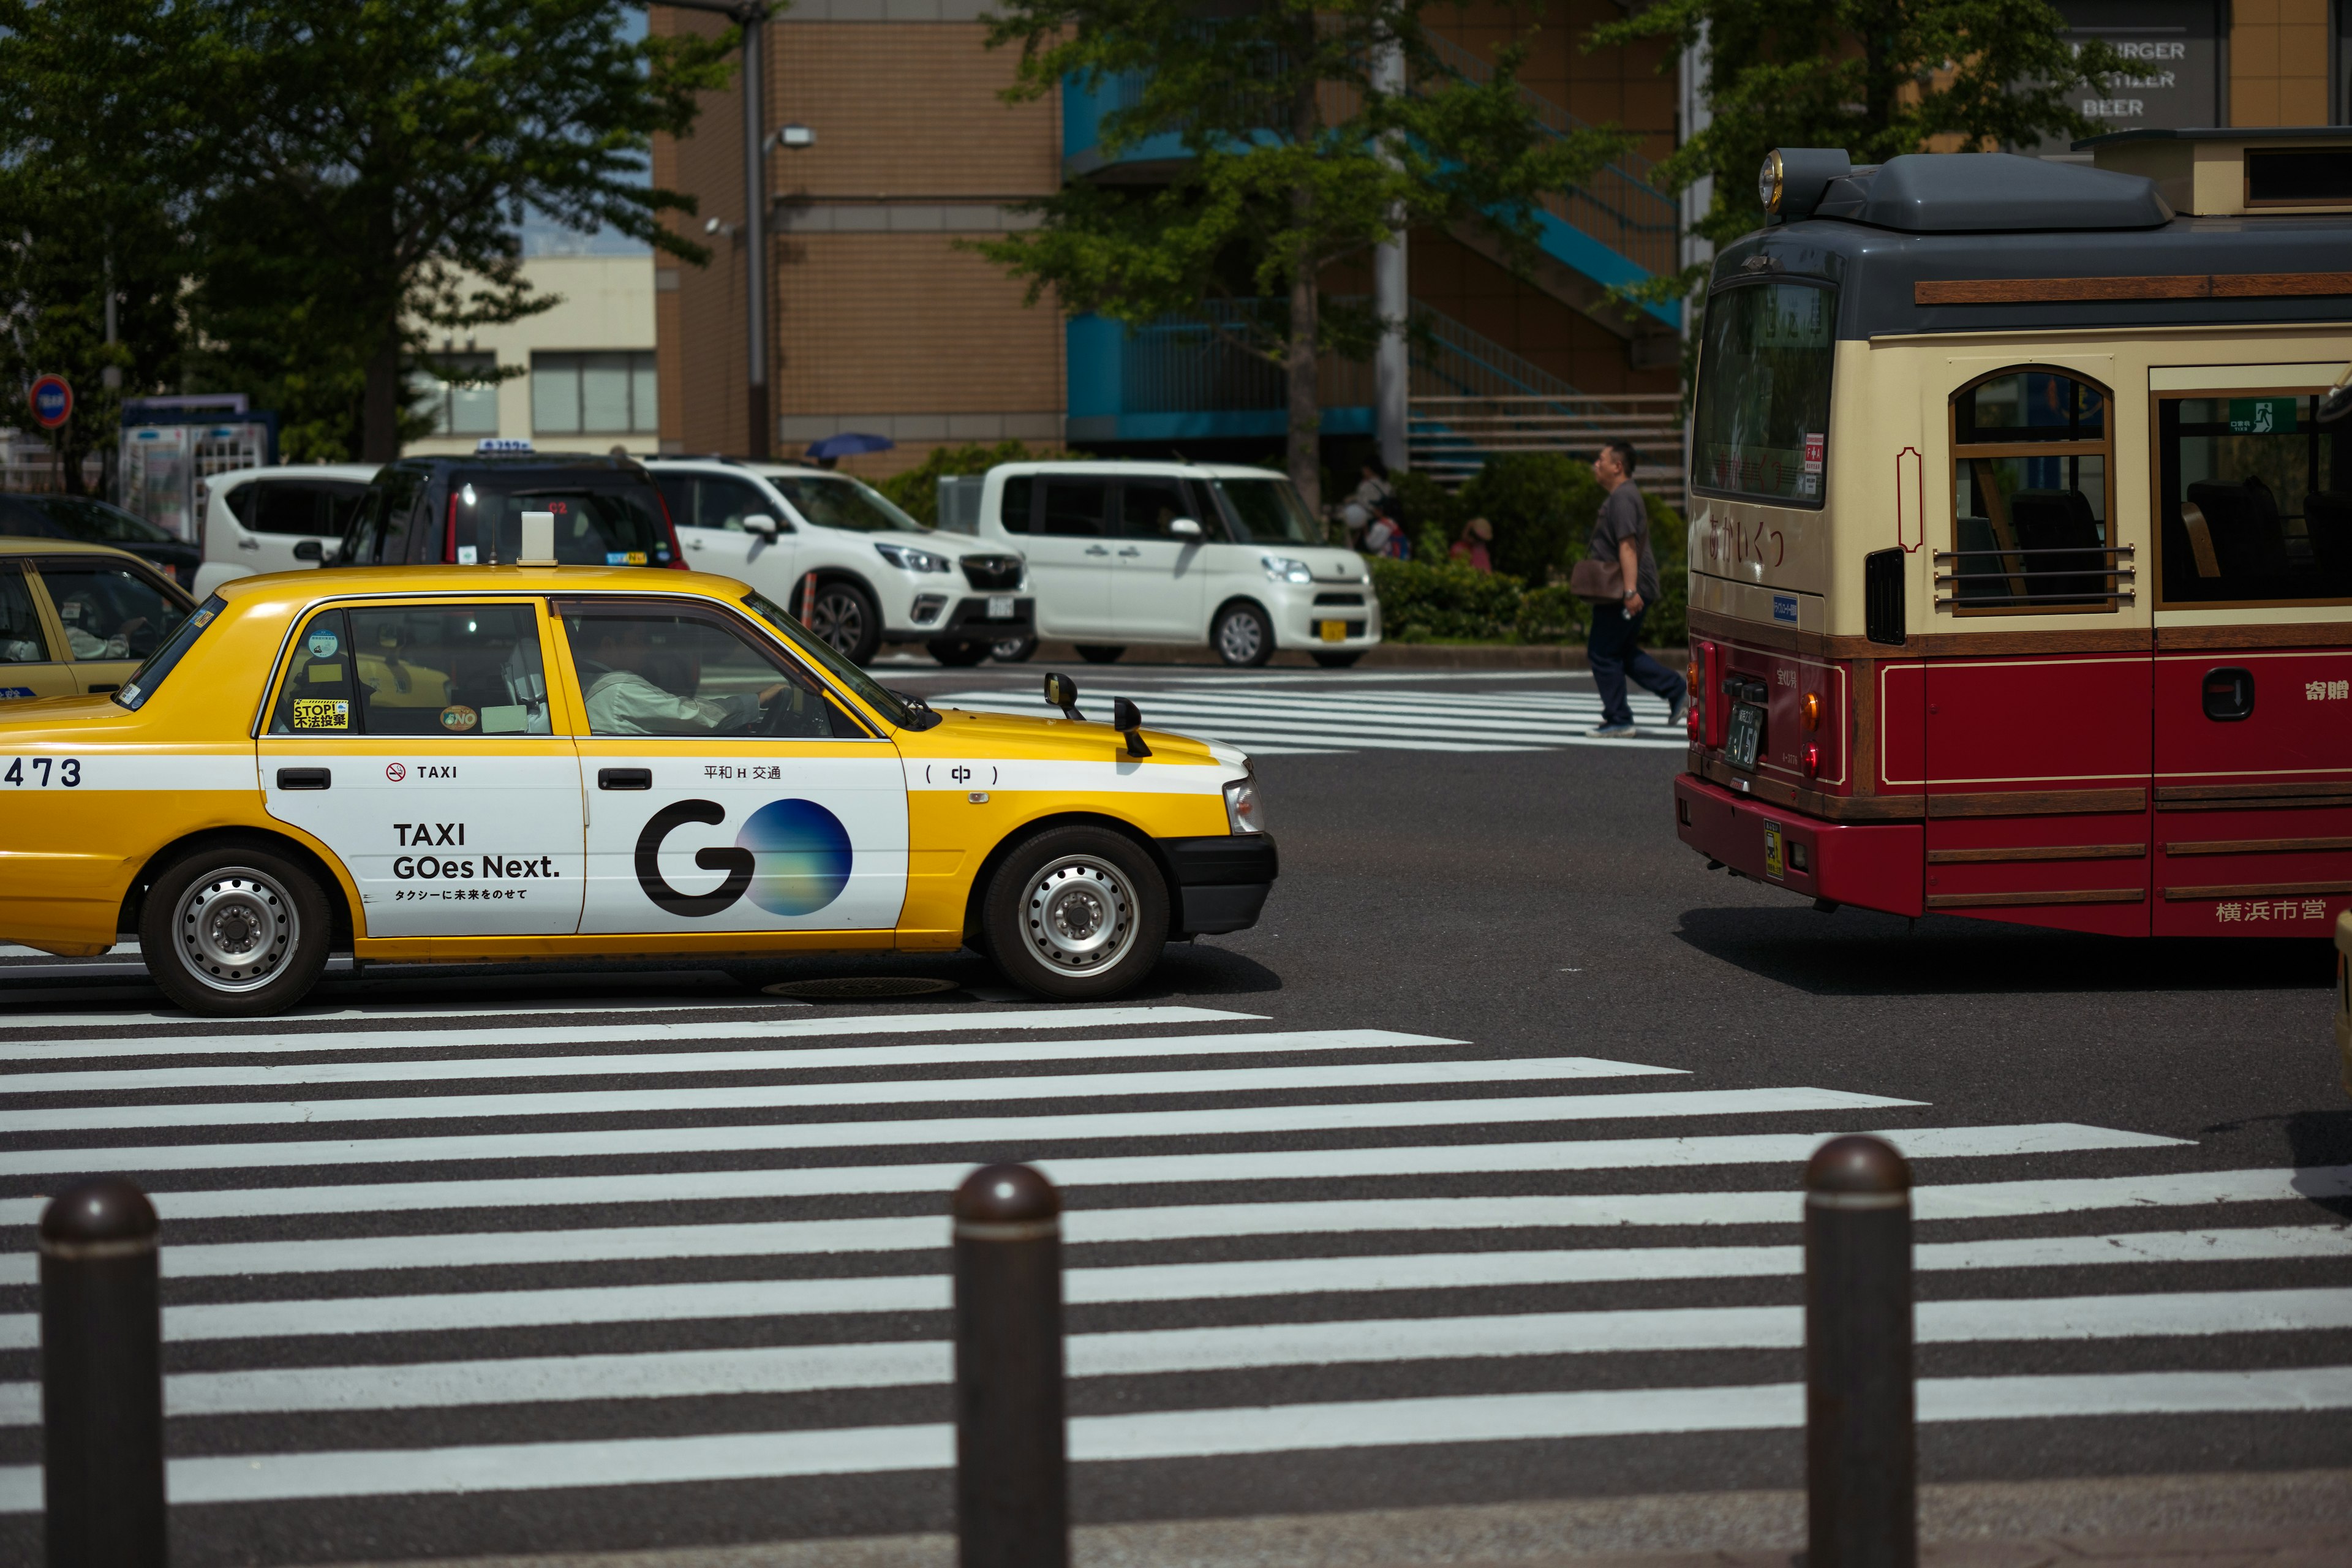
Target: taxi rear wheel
{"x":1076,"y":912}
{"x":235,"y":930}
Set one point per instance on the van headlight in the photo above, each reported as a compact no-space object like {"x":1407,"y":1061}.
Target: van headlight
{"x":1243,"y":811}
{"x":1283,"y":569}
{"x":912,"y":560}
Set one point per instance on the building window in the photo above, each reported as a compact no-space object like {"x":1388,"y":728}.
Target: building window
{"x":466,"y":405}
{"x":605,"y":394}
{"x":2031,"y":498}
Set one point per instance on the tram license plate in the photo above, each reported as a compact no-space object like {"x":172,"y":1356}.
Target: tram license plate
{"x":1747,"y":734}
{"x":1332,"y":631}
{"x":1000,"y":606}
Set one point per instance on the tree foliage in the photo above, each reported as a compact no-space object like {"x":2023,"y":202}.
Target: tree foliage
{"x":1878,"y":77}
{"x":1297,"y":154}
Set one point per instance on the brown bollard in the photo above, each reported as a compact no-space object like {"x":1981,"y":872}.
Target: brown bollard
{"x":1012,"y":1505}
{"x":102,"y":1378}
{"x":1861,"y":1449}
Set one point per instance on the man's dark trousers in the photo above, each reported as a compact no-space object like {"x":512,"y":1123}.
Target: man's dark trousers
{"x":1615,"y":652}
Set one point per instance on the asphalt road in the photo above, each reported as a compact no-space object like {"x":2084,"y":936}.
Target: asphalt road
{"x":2121,"y":1272}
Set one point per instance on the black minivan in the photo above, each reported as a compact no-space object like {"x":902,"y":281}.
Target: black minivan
{"x":468,"y":511}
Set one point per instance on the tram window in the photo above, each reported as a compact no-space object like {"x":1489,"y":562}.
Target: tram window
{"x":2256,"y":501}
{"x":2030,"y":499}
{"x":1761,"y":426}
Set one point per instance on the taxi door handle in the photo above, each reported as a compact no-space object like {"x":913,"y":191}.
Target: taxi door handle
{"x":305,"y":778}
{"x":625,"y":778}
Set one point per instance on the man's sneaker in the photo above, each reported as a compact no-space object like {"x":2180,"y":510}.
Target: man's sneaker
{"x":1676,"y":715}
{"x":1613,"y":731}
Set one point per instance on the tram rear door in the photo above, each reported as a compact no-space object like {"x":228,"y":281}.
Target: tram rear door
{"x":2253,"y":678}
{"x":2038,"y":734}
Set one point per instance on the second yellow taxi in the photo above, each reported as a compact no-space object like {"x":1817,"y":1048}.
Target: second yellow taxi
{"x":537,"y":762}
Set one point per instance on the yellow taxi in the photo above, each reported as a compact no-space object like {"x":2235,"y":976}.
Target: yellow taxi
{"x":78,"y":617}
{"x":504,"y":762}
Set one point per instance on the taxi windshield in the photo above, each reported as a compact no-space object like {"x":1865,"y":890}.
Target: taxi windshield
{"x":150,"y":675}
{"x":617,"y":523}
{"x":836,"y":501}
{"x":875,"y":695}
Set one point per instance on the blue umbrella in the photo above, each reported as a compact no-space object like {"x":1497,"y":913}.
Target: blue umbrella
{"x":849,"y":444}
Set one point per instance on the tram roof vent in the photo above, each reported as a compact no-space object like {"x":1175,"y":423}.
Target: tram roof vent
{"x":2242,"y":170}
{"x":1978,"y":192}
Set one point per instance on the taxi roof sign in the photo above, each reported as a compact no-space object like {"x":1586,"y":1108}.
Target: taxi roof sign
{"x":502,"y":444}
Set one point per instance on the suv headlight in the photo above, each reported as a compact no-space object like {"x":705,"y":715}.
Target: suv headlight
{"x":911,"y":559}
{"x":1243,"y":811}
{"x":1285,"y":569}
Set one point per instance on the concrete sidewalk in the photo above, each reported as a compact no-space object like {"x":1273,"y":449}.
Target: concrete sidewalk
{"x":2299,"y":1518}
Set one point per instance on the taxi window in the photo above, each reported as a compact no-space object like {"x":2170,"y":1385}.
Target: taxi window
{"x":408,"y":670}
{"x":109,"y":612}
{"x":149,"y":676}
{"x":21,"y":641}
{"x":648,"y":670}
{"x":2255,"y":503}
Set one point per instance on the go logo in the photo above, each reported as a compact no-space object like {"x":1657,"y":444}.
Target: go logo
{"x":792,"y":857}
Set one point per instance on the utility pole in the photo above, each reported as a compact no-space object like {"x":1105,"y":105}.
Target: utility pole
{"x":110,"y":376}
{"x":753,"y":18}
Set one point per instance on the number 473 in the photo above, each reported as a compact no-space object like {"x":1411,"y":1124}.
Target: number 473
{"x":66,"y":771}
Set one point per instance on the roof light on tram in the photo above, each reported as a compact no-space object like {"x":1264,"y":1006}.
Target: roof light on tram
{"x":1794,"y":179}
{"x":1768,"y":182}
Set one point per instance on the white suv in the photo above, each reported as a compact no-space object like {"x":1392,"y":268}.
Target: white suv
{"x":880,"y":575}
{"x":276,"y":520}
{"x":1125,"y":553}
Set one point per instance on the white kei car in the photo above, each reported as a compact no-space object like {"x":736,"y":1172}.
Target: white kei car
{"x":276,"y":520}
{"x":1125,"y":553}
{"x":880,"y":576}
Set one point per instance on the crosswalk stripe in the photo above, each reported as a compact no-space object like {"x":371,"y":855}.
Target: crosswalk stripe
{"x":961,"y":1021}
{"x":796,"y":1058}
{"x":1147,"y":1283}
{"x":1177,"y":1222}
{"x":900,"y":1363}
{"x":964,"y":1131}
{"x":1192,"y":1170}
{"x":1198,"y":1433}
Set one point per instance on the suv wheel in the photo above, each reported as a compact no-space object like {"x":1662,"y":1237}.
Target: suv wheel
{"x":955,"y":652}
{"x":1243,"y":635}
{"x":235,"y":930}
{"x":1012,"y":651}
{"x":1098,"y":653}
{"x":1076,"y":913}
{"x":845,"y":617}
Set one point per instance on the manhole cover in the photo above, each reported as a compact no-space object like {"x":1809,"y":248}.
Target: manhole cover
{"x":859,"y":988}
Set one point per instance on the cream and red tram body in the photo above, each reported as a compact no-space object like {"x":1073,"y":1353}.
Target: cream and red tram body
{"x":2021,"y":560}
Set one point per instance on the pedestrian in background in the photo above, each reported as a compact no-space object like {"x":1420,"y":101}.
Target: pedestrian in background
{"x":1620,"y":537}
{"x":1368,"y":501}
{"x":1471,"y":550}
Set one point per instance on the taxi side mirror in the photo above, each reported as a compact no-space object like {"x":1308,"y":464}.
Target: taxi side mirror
{"x":1184,"y":528}
{"x":1062,"y":692}
{"x":311,"y":550}
{"x":1128,"y":719}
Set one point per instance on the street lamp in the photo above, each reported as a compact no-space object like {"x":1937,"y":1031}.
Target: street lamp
{"x":751,"y":17}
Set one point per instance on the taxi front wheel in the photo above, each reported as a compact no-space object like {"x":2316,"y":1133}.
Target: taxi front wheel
{"x":1076,"y":914}
{"x":235,"y":930}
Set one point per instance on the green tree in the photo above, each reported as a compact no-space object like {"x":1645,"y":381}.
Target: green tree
{"x":1877,"y":77}
{"x":1299,"y":154}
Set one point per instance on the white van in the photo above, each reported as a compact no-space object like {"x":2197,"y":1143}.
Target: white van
{"x":276,"y":520}
{"x":1185,"y":553}
{"x":881,"y":576}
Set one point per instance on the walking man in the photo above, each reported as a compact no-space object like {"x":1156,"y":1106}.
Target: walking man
{"x":1622,"y":534}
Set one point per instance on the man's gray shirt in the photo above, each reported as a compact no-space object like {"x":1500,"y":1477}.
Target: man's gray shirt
{"x":1622,"y":516}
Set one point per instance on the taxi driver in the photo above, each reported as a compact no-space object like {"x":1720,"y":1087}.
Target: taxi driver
{"x":624,"y":699}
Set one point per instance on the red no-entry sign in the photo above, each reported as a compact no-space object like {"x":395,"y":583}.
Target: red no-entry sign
{"x":52,"y":401}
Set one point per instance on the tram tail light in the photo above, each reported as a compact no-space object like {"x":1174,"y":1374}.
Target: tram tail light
{"x":1707,"y":709}
{"x":1812,"y":761}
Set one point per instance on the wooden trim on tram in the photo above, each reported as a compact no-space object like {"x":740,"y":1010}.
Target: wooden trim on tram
{"x":2036,"y":801}
{"x":2224,"y":797}
{"x":2255,"y":845}
{"x":2182,"y":286}
{"x":2260,"y":890}
{"x":2045,"y":896}
{"x":2306,"y":634}
{"x":1925,"y":645}
{"x":2038,"y":852}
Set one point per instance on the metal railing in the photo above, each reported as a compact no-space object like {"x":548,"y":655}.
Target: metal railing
{"x":1452,"y":436}
{"x":2088,"y":577}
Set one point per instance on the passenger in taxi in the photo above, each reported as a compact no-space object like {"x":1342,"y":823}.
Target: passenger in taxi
{"x":623,"y":698}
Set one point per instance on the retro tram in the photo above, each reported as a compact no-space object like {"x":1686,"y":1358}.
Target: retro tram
{"x":2022,"y":537}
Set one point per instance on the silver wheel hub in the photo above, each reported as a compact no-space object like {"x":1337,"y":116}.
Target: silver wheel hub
{"x":1237,"y":638}
{"x":839,"y":619}
{"x":237,"y":928}
{"x":1081,"y":914}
